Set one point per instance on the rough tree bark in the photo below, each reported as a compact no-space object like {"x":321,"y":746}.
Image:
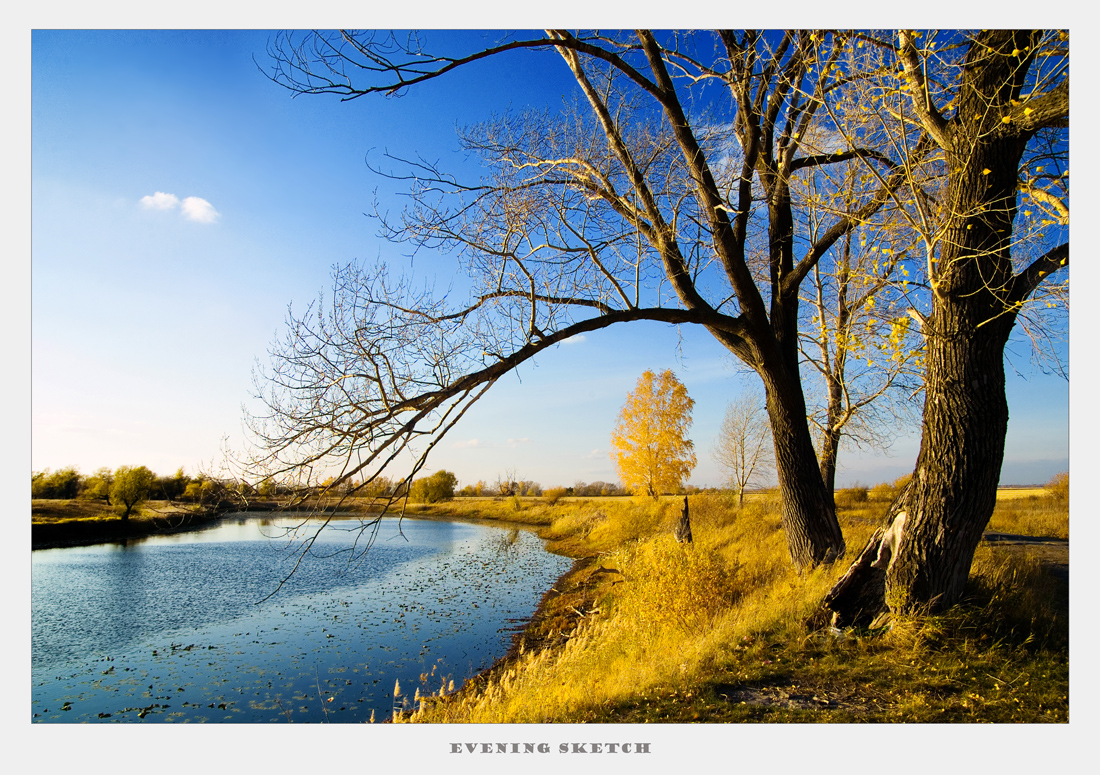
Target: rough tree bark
{"x":801,"y":487}
{"x":975,"y":302}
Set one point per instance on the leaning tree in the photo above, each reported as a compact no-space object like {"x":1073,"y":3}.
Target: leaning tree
{"x":662,"y":193}
{"x":996,"y":105}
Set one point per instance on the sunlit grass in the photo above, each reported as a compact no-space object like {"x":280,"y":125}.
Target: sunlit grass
{"x":715,"y":631}
{"x":1034,"y":514}
{"x":651,"y":630}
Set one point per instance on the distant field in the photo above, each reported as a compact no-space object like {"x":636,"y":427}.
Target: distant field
{"x":1015,"y":493}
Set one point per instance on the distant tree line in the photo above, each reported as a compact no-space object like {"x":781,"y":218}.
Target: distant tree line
{"x":68,"y":483}
{"x":127,"y":486}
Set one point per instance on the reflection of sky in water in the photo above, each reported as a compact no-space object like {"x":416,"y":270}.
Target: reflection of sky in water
{"x":170,"y":628}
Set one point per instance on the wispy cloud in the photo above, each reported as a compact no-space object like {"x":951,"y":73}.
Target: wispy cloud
{"x":575,"y":339}
{"x":193,"y":208}
{"x":516,"y":442}
{"x":596,"y":454}
{"x":469,"y":444}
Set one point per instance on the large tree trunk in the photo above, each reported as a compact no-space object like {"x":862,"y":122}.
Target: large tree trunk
{"x":954,"y":487}
{"x":809,"y":521}
{"x":958,"y":468}
{"x":953,"y":492}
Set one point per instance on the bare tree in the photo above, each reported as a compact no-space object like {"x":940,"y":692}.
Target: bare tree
{"x":658,"y":197}
{"x":860,"y":341}
{"x":744,"y":446}
{"x":996,"y":105}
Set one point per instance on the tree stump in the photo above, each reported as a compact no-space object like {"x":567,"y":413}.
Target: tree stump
{"x":860,"y":594}
{"x":683,"y":527}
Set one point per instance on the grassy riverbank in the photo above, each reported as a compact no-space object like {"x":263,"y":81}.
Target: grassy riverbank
{"x":644,"y":629}
{"x":81,"y":522}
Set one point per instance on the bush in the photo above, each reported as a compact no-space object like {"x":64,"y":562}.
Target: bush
{"x":884,"y":492}
{"x":678,"y":585}
{"x":711,"y":510}
{"x":1058,"y":487}
{"x":440,"y":486}
{"x":851,"y":497}
{"x":553,"y":495}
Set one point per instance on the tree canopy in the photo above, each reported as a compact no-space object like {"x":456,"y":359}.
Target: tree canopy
{"x":676,"y":186}
{"x":653,"y":454}
{"x":131,"y":486}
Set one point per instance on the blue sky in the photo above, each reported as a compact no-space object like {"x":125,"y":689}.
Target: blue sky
{"x":147,"y":320}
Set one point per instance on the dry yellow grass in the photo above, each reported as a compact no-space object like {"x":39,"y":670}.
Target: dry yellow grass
{"x":677,"y":628}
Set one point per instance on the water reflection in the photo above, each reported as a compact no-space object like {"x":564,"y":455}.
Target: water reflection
{"x":168,"y":629}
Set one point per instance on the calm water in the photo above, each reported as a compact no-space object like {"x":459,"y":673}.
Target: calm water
{"x":169,"y":628}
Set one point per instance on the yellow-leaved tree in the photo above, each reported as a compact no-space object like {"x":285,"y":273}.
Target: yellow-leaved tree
{"x":650,"y":445}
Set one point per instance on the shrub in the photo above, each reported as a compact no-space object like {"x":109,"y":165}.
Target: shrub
{"x":553,"y":495}
{"x":711,"y":510}
{"x":883,"y":492}
{"x":678,"y":585}
{"x":1058,"y":487}
{"x":851,"y":497}
{"x":440,"y":486}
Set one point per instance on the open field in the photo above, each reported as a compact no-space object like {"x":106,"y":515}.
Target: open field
{"x":1019,"y":493}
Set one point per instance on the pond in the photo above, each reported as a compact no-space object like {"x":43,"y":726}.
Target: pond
{"x":177,"y":628}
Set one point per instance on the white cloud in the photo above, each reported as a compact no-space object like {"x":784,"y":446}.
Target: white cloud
{"x":193,"y":208}
{"x":516,"y":442}
{"x":575,"y":339}
{"x":160,"y":201}
{"x":198,"y":209}
{"x":596,"y":454}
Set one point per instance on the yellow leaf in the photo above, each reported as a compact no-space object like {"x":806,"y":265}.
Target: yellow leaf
{"x":986,"y":171}
{"x":650,"y":446}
